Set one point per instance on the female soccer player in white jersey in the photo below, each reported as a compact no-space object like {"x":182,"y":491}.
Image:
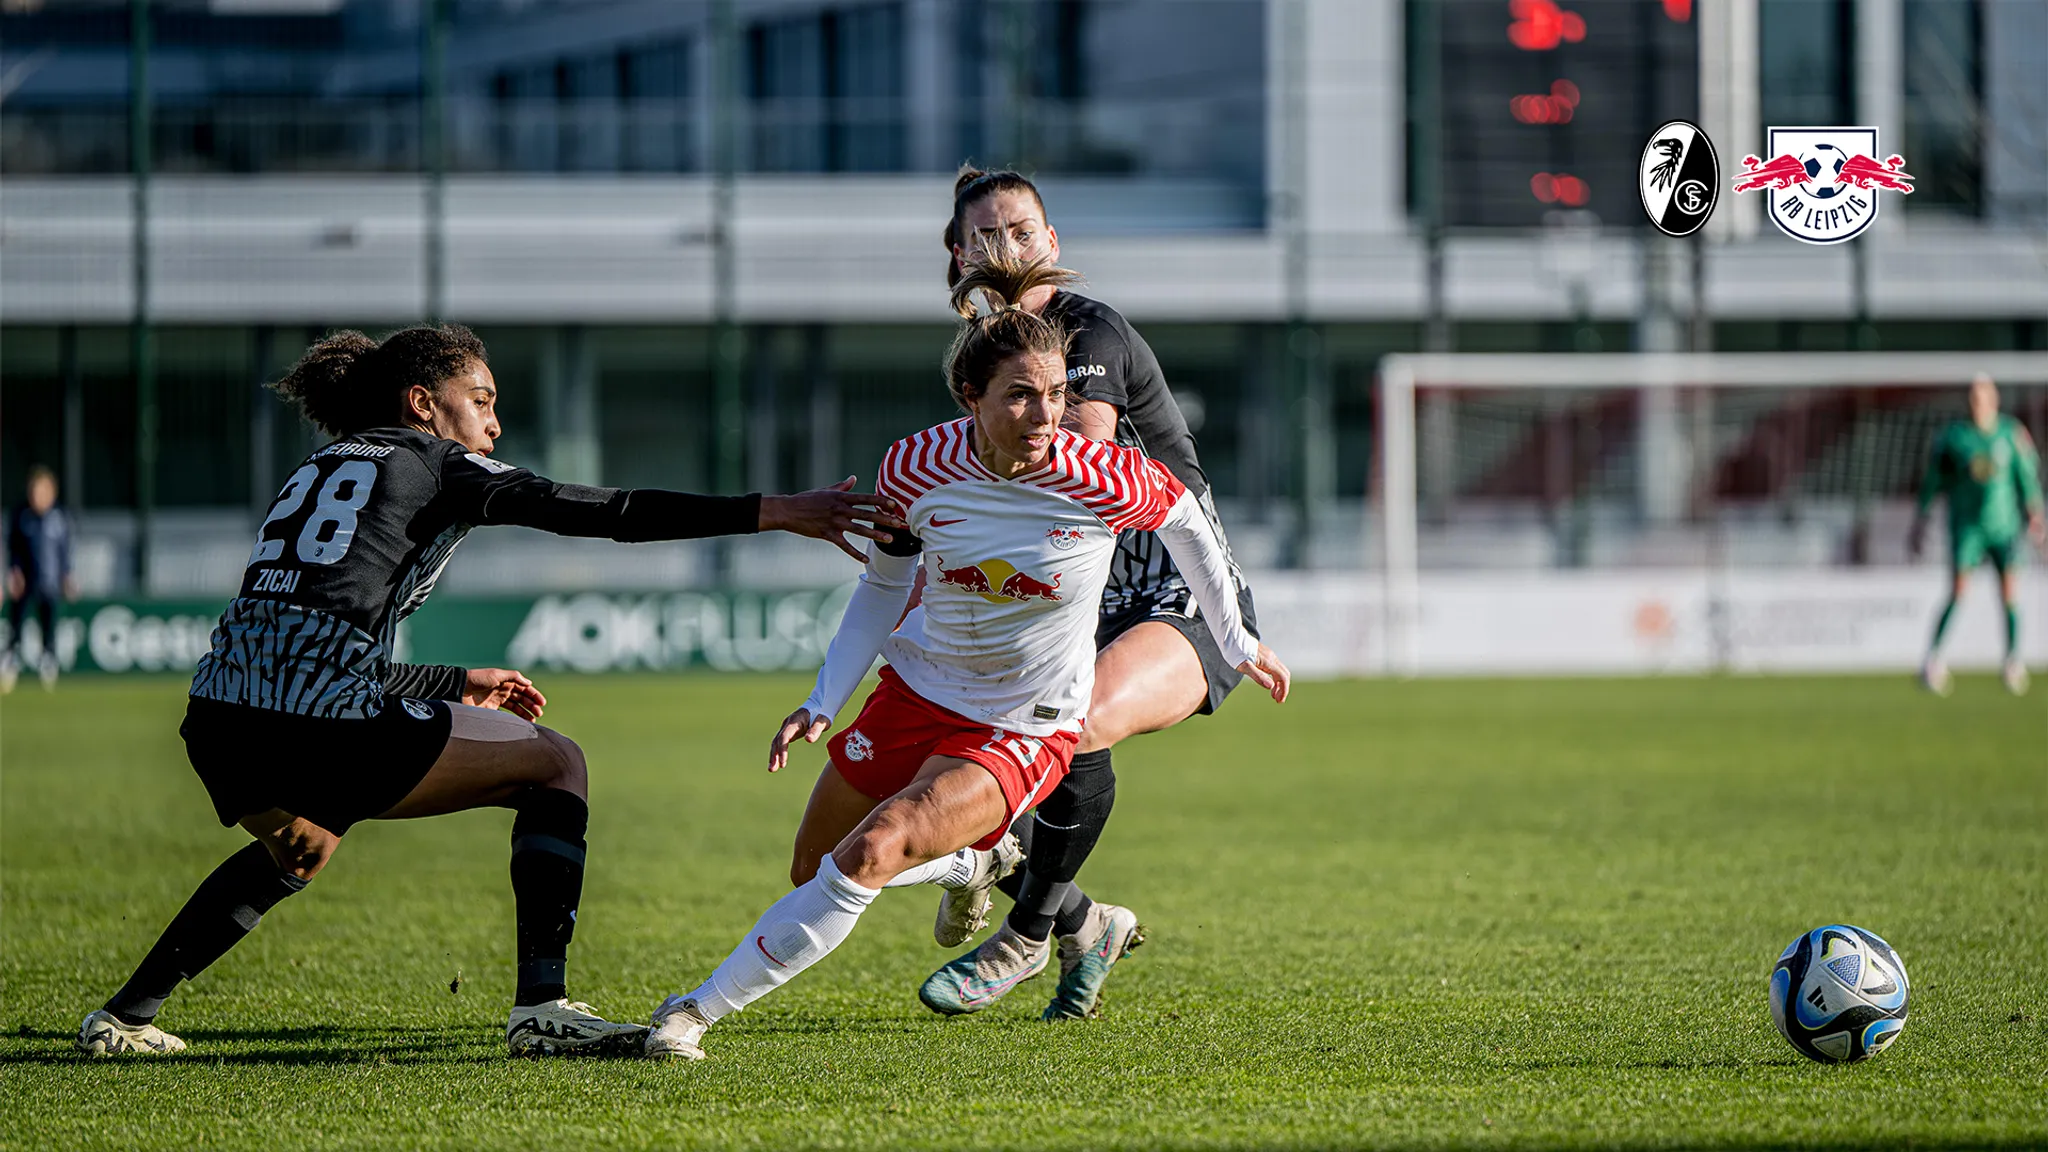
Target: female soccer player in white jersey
{"x":301,"y":724}
{"x":1156,"y":663}
{"x":988,"y":682}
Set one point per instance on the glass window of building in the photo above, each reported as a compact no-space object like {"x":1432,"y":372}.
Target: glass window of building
{"x":656,"y":80}
{"x":870,"y":133}
{"x":1944,"y":143}
{"x":786,"y":94}
{"x":590,"y":123}
{"x":1806,"y":64}
{"x":529,"y":138}
{"x":826,"y":91}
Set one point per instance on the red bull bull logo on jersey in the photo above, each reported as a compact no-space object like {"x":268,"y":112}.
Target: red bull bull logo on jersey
{"x":1820,"y":185}
{"x":1064,"y":536}
{"x":1021,"y":586}
{"x":967,"y":576}
{"x":996,"y":581}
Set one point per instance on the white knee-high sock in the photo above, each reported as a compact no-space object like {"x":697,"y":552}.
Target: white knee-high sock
{"x":947,"y":871}
{"x":796,"y":932}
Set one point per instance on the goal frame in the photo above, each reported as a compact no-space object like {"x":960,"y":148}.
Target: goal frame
{"x":1401,"y":375}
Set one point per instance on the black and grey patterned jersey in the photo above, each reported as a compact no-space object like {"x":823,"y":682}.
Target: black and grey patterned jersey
{"x":354,"y":543}
{"x":1110,"y":362}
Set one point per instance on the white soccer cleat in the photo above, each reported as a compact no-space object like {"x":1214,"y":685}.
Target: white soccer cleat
{"x":103,"y":1034}
{"x":677,"y":1031}
{"x":964,"y":910}
{"x":46,"y":671}
{"x":1935,"y":678}
{"x":10,"y":671}
{"x":2016,"y":677}
{"x":563,"y":1028}
{"x":975,"y":980}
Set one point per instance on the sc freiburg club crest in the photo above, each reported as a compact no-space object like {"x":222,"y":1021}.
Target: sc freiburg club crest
{"x":1820,"y":184}
{"x":1679,"y":179}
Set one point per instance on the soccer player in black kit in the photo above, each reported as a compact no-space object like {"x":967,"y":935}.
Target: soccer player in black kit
{"x":300,"y":724}
{"x":1156,"y":663}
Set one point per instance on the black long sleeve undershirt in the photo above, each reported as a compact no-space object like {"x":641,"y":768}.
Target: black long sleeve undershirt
{"x":476,"y":489}
{"x":628,"y":515}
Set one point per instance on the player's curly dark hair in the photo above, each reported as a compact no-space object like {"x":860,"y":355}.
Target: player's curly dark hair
{"x":971,"y":187}
{"x":347,"y":382}
{"x":999,"y":328}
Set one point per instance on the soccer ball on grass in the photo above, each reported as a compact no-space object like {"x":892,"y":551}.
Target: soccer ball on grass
{"x":1839,"y":994}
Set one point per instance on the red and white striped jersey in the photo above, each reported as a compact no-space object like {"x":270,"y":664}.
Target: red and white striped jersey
{"x":1014,"y":571}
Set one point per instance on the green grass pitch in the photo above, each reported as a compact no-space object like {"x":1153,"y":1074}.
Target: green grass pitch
{"x":1450,"y":914}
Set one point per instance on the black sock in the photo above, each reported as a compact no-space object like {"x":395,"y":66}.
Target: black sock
{"x":547,"y":883}
{"x":1067,"y":826}
{"x":1074,"y":913}
{"x":227,"y":906}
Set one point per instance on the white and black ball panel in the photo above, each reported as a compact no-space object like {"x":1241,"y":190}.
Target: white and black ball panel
{"x":1839,"y":993}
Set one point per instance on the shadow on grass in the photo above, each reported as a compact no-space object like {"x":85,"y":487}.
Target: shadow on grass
{"x":930,"y":1024}
{"x":827,"y":1026}
{"x":1699,"y":1064}
{"x":255,"y":1047}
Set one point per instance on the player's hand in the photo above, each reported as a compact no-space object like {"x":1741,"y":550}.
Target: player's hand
{"x":800,"y":722}
{"x":17,"y":584}
{"x":503,"y":689}
{"x":1269,"y":673}
{"x":2037,"y":527}
{"x":830,"y":513}
{"x":70,"y":588}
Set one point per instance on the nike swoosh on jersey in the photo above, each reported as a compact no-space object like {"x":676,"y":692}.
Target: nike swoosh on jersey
{"x":938,"y":523}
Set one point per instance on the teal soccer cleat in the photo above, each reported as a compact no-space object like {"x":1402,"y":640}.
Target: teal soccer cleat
{"x":977,"y":979}
{"x":1110,"y":934}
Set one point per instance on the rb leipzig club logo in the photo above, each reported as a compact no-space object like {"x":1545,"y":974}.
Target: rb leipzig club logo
{"x":1679,"y":178}
{"x":1820,"y":184}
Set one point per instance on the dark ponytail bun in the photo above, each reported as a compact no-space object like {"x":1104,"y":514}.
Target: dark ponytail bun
{"x":347,"y":382}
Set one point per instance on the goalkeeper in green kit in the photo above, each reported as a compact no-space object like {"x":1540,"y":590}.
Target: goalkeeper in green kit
{"x":1991,"y":474}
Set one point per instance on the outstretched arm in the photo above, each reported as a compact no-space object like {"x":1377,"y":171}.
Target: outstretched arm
{"x":873,"y":612}
{"x":1197,"y":551}
{"x":484,"y":491}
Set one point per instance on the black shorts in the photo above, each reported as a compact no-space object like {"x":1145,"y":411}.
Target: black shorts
{"x":332,"y":772}
{"x":1176,"y":606}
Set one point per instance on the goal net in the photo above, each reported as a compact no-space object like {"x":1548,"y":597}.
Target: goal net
{"x":1764,"y":491}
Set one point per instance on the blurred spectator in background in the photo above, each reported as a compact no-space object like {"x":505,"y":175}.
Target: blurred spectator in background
{"x":38,"y":572}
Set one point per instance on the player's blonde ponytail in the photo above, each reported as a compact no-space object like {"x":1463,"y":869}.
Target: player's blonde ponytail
{"x":997,"y":327}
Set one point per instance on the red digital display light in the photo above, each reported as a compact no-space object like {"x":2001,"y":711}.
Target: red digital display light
{"x":1679,"y":10}
{"x":1560,"y":188}
{"x":1541,"y":25}
{"x":1556,"y":108}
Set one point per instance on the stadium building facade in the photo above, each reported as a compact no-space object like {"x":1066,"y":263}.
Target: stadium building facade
{"x":701,"y":238}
